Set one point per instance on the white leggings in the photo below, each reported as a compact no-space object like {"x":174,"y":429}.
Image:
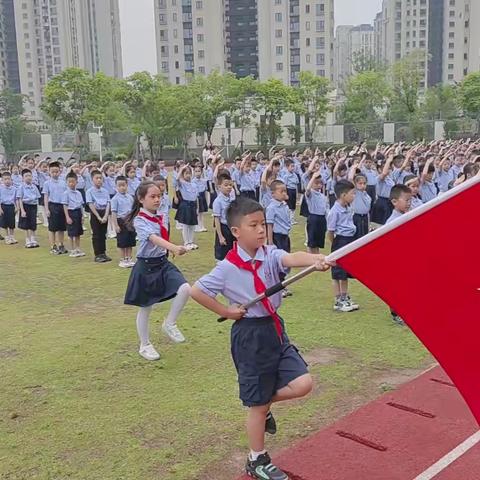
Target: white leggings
{"x":188,"y":232}
{"x":143,"y":314}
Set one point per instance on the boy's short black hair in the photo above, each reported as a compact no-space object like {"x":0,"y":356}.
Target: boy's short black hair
{"x":222,"y":177}
{"x":239,"y":208}
{"x":54,"y":164}
{"x":72,"y":175}
{"x":96,"y":172}
{"x":343,"y":186}
{"x":276,"y":163}
{"x":289,"y":162}
{"x":398,"y":160}
{"x":398,"y":190}
{"x":276,"y":184}
{"x":360,"y":176}
{"x":156,"y":178}
{"x":5,"y":174}
{"x":25,"y":171}
{"x":409,"y":178}
{"x":120,"y":178}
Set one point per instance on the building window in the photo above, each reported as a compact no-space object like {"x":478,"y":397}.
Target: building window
{"x":307,"y":42}
{"x":450,"y":66}
{"x":320,"y":25}
{"x":280,"y":67}
{"x":175,"y":49}
{"x":307,"y":26}
{"x":177,"y":80}
{"x":451,"y":45}
{"x":452,"y":24}
{"x":320,"y":9}
{"x":308,"y":59}
{"x":200,"y":22}
{"x":163,"y":35}
{"x":162,"y":19}
{"x":450,"y":76}
{"x":201,"y":70}
{"x":175,"y":33}
{"x":321,"y":73}
{"x":278,"y":2}
{"x":165,"y":66}
{"x":177,"y":64}
{"x":451,"y":35}
{"x":174,"y":17}
{"x":199,"y":4}
{"x":278,"y":17}
{"x":279,"y":50}
{"x":200,"y":38}
{"x":307,"y":8}
{"x":201,"y":54}
{"x":278,"y":34}
{"x":321,"y":43}
{"x":320,"y":59}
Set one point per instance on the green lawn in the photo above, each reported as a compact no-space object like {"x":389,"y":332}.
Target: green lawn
{"x":77,"y":402}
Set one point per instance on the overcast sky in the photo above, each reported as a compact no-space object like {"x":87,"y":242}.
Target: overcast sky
{"x":138,"y":28}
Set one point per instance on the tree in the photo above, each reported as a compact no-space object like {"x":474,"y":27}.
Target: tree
{"x":274,"y":98}
{"x":243,"y":111}
{"x":313,"y":96}
{"x":469,"y":95}
{"x":367,"y":97}
{"x":407,"y":75}
{"x":66,"y":100}
{"x":12,"y":122}
{"x":365,"y":62}
{"x":214,"y":96}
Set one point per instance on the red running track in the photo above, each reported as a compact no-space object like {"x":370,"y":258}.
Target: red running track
{"x":400,"y":436}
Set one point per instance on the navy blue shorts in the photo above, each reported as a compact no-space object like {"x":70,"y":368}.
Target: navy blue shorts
{"x":222,"y":250}
{"x":248,"y":194}
{"x":29,"y":222}
{"x":202,"y":202}
{"x":382,"y":209}
{"x":126,"y":238}
{"x":361,"y":222}
{"x":316,"y":230}
{"x":282,"y":241}
{"x":264,"y":364}
{"x":292,"y":198}
{"x":56,"y":220}
{"x":338,"y":273}
{"x":7,"y":220}
{"x":304,"y":212}
{"x":76,"y":228}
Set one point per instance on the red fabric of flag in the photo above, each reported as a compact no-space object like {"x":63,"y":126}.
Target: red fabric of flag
{"x":426,"y":267}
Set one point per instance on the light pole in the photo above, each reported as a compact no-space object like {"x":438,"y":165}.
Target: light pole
{"x":100,"y":135}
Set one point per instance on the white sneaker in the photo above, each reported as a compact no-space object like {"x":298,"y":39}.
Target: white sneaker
{"x":124,"y":263}
{"x":343,"y":306}
{"x":173,"y":333}
{"x":194,"y":246}
{"x":80,"y":253}
{"x":73,"y":254}
{"x":189,"y":246}
{"x":354,"y":305}
{"x":8,"y":240}
{"x":149,"y":353}
{"x":131,"y":262}
{"x":13,"y":241}
{"x":112,"y":235}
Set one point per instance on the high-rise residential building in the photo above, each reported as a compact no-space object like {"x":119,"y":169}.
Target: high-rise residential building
{"x":46,"y":36}
{"x":353,"y":45}
{"x":442,"y":29}
{"x":263,"y":38}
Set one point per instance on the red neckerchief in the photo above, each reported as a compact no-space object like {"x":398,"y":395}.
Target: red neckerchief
{"x":154,"y":219}
{"x":234,"y":258}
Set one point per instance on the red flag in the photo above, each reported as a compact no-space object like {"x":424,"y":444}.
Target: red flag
{"x":426,"y":266}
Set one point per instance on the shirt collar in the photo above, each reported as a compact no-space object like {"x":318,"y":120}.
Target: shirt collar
{"x":259,"y":256}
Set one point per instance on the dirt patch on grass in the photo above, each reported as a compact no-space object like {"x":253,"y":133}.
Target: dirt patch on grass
{"x":392,"y":379}
{"x":323,"y":356}
{"x":9,"y":353}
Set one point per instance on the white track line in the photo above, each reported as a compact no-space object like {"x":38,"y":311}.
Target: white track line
{"x":449,"y":458}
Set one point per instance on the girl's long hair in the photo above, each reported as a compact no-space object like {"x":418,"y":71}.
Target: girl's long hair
{"x":140,"y":194}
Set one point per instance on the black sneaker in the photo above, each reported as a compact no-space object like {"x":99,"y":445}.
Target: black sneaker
{"x":1,"y":238}
{"x":100,"y":259}
{"x":270,"y":424}
{"x":54,"y":250}
{"x":263,"y":469}
{"x":398,"y":320}
{"x":107,"y":258}
{"x":62,"y":250}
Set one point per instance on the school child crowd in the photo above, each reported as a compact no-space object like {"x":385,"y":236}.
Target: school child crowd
{"x":342,"y":194}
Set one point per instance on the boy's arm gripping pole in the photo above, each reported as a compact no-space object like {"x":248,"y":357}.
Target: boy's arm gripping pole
{"x":277,"y":288}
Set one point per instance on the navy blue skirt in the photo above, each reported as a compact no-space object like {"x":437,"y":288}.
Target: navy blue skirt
{"x":126,"y":238}
{"x":382,"y":209}
{"x":29,"y":222}
{"x":338,"y":273}
{"x":56,"y":220}
{"x":7,"y":220}
{"x":316,"y":230}
{"x":153,"y":280}
{"x":187,"y":213}
{"x":282,"y":241}
{"x":202,"y":202}
{"x":361,"y":222}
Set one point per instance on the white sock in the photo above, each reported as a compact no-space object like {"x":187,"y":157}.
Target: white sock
{"x":187,"y":233}
{"x":142,"y":325}
{"x":183,"y":294}
{"x":254,"y":455}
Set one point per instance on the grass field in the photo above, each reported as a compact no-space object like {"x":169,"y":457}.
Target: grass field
{"x":77,"y":401}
